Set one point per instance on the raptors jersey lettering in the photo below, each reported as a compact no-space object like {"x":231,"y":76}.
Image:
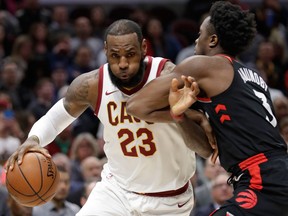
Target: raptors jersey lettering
{"x":238,"y":135}
{"x":142,"y":156}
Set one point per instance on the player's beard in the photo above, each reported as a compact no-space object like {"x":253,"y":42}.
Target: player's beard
{"x":134,"y":81}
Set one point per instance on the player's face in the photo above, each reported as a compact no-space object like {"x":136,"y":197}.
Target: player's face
{"x":125,"y":55}
{"x":203,"y":40}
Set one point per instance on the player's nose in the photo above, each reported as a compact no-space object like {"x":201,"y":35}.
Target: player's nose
{"x":123,"y":63}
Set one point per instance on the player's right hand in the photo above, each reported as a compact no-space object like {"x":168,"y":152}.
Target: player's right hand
{"x":181,"y":99}
{"x":30,"y":145}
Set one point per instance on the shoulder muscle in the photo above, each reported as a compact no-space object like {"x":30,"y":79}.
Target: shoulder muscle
{"x":82,"y":93}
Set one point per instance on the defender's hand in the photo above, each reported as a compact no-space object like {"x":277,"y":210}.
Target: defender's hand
{"x":181,"y":99}
{"x":30,"y":145}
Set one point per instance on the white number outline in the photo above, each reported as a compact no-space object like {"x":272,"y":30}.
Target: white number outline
{"x":267,"y":106}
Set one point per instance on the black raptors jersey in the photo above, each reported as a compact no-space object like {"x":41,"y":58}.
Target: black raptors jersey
{"x":243,"y":118}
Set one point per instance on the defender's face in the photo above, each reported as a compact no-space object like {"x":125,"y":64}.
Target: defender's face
{"x":124,"y":54}
{"x":203,"y":40}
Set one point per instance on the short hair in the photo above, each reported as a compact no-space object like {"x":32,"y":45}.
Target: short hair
{"x":234,"y":27}
{"x":124,"y":27}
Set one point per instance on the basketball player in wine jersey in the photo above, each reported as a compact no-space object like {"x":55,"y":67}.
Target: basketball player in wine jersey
{"x":149,"y":166}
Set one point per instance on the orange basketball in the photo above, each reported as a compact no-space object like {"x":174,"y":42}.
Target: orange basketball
{"x":34,"y":182}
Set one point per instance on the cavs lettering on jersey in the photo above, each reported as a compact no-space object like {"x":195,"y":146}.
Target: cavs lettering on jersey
{"x":238,"y":135}
{"x":142,"y":156}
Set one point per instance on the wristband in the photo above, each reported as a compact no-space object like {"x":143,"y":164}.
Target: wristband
{"x":177,"y":117}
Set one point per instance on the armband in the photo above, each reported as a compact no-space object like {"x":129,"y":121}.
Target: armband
{"x":177,"y":117}
{"x":51,"y":124}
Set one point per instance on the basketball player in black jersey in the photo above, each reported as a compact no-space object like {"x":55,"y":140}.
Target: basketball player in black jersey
{"x":238,"y":104}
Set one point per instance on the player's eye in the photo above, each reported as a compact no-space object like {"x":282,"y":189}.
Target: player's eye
{"x":114,"y":55}
{"x":129,"y":55}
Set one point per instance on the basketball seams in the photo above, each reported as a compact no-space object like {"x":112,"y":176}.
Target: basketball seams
{"x":54,"y":180}
{"x":40,"y":167}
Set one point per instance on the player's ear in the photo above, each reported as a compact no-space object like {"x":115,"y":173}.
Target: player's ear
{"x":213,"y":41}
{"x":144,"y":46}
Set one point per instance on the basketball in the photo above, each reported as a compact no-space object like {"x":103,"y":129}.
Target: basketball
{"x":34,"y":182}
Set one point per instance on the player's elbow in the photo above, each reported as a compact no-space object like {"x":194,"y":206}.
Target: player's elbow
{"x":133,"y":108}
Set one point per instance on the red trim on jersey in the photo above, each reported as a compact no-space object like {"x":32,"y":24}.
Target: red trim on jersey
{"x":100,"y":89}
{"x":161,"y":66}
{"x":205,"y":100}
{"x":227,"y":57}
{"x":142,"y":83}
{"x":252,"y":164}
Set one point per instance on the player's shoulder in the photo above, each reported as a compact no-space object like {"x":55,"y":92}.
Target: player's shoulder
{"x":201,"y":62}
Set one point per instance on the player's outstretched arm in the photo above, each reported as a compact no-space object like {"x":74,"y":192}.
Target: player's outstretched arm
{"x":60,"y":116}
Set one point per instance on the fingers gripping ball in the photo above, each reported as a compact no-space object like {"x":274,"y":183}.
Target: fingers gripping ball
{"x":34,"y":182}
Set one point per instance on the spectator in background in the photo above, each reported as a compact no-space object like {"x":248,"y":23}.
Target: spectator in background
{"x":83,"y":61}
{"x":5,"y":44}
{"x":160,"y":43}
{"x":283,"y":126}
{"x":140,"y":16}
{"x":220,"y":192}
{"x":11,"y":25}
{"x":60,"y":22}
{"x":61,"y":53}
{"x":39,"y":36}
{"x":21,"y":55}
{"x":10,"y":132}
{"x":99,"y":21}
{"x":268,"y":66}
{"x":15,"y":209}
{"x":11,"y":76}
{"x":202,"y":192}
{"x":44,"y":98}
{"x":30,"y":13}
{"x":86,"y":192}
{"x":272,"y":20}
{"x":91,"y":168}
{"x":62,"y":160}
{"x":11,"y":5}
{"x":41,"y":47}
{"x":59,"y":206}
{"x":280,"y":105}
{"x":4,"y":209}
{"x":83,"y":146}
{"x":59,"y":77}
{"x":84,"y":36}
{"x":269,"y":15}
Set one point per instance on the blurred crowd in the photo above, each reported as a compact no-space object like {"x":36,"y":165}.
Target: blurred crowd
{"x":42,"y":49}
